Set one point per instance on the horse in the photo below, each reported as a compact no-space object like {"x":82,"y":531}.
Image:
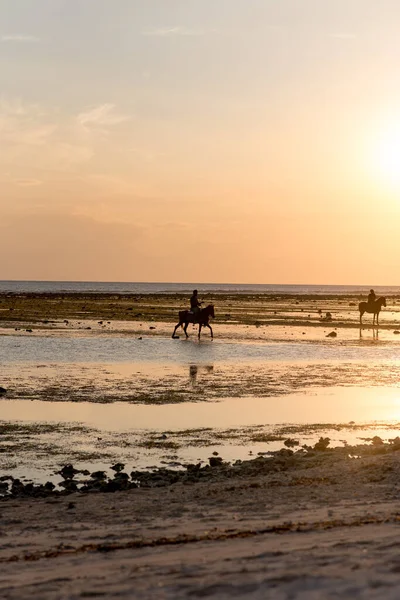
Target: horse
{"x":203,"y":317}
{"x":374,"y":308}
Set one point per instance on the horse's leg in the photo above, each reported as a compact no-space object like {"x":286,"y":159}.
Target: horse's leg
{"x":185,"y":328}
{"x":200,"y":326}
{"x":361,"y":314}
{"x":377,"y":319}
{"x":176,"y":327}
{"x":210,"y":328}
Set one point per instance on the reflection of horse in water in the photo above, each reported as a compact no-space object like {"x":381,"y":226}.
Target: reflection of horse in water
{"x":374,"y":308}
{"x":194,"y":369}
{"x":202,"y":318}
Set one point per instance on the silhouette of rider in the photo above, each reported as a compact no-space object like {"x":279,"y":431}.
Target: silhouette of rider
{"x":371,"y":297}
{"x":195,"y":305}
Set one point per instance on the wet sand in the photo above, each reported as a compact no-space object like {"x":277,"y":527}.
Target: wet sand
{"x":325,"y":526}
{"x":288,"y":524}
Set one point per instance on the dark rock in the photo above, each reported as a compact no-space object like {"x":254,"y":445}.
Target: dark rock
{"x":290,"y":442}
{"x":396,"y":331}
{"x":70,"y":505}
{"x":68,"y":471}
{"x":3,"y":391}
{"x":377,"y":441}
{"x":215,"y":461}
{"x":69,"y":485}
{"x":98,"y":475}
{"x":118,"y":467}
{"x":322,"y":444}
{"x":332,"y":334}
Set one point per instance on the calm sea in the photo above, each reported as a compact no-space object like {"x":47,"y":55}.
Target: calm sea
{"x":167,"y":288}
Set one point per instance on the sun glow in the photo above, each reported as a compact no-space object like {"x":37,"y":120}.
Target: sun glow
{"x":387,"y":157}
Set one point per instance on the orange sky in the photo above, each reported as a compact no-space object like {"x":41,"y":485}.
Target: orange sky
{"x":210,"y":141}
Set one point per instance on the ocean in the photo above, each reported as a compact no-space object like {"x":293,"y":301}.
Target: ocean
{"x":94,"y":287}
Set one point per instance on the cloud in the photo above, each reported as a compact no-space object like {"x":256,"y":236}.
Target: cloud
{"x":27,"y":182}
{"x":23,"y":124}
{"x":176,"y":31}
{"x":103,"y":115}
{"x":19,"y":38}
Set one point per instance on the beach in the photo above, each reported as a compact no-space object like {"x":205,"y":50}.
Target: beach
{"x":261,"y":464}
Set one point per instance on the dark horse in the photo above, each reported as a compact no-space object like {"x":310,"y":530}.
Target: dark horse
{"x":203,"y":317}
{"x":375,"y":308}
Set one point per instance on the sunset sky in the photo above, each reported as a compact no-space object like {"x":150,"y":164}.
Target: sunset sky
{"x":200,"y":140}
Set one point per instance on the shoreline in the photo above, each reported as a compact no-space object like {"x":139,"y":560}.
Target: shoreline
{"x":325,"y":525}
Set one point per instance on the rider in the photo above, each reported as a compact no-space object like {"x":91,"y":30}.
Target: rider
{"x":371,"y":297}
{"x":195,"y":305}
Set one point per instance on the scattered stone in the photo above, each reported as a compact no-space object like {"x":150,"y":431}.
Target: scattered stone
{"x":377,"y":441}
{"x":290,"y":442}
{"x":118,"y":467}
{"x":322,"y":444}
{"x":215,"y":461}
{"x":98,"y":475}
{"x":68,"y":471}
{"x":396,"y":331}
{"x":332,"y":334}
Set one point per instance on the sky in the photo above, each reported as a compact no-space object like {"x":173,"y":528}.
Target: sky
{"x":238,"y":141}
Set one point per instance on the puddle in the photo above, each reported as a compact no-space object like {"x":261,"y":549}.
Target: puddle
{"x":39,"y":437}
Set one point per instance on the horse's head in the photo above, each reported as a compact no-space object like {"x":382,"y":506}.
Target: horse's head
{"x":210,"y":309}
{"x":383,"y":301}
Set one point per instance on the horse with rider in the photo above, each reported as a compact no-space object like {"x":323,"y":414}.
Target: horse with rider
{"x":195,"y":315}
{"x":372,"y":306}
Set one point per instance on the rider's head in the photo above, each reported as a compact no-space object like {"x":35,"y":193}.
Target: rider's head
{"x":194,"y":292}
{"x":371,"y":292}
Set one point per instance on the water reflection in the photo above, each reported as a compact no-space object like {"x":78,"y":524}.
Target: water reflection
{"x":194,"y":370}
{"x":375,"y":334}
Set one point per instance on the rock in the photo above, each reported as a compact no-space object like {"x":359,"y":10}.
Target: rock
{"x":396,"y":331}
{"x":68,"y":471}
{"x":332,"y":334}
{"x":377,"y":441}
{"x":69,"y":485}
{"x":118,"y":467}
{"x":3,"y":391}
{"x":70,"y":505}
{"x":215,"y":453}
{"x":29,"y":330}
{"x":215,"y":461}
{"x":98,"y":475}
{"x":290,"y":442}
{"x":151,"y":327}
{"x":322,"y":444}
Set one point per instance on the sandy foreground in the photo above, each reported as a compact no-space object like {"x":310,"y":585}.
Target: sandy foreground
{"x":322,"y":527}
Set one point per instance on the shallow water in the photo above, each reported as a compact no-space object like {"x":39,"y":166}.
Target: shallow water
{"x":125,"y":348}
{"x":110,"y":396}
